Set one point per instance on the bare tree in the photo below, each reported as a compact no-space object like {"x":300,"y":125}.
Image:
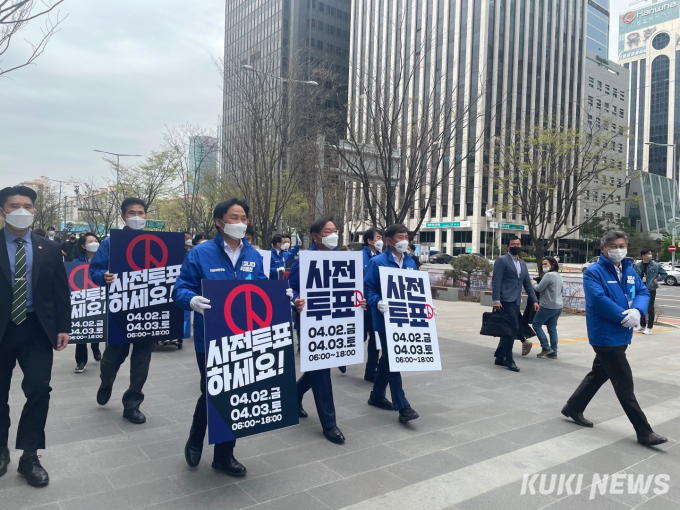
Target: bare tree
{"x":545,"y":172}
{"x":15,"y":15}
{"x":47,"y":207}
{"x":404,"y":140}
{"x":97,"y":206}
{"x":272,"y":148}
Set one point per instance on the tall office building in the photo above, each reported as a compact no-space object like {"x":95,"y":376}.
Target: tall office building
{"x":309,"y":31}
{"x":203,"y":161}
{"x":525,"y":58}
{"x":597,"y":39}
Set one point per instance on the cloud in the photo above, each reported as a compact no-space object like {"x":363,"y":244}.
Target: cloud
{"x":115,"y":75}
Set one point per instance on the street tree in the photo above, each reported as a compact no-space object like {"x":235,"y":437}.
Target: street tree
{"x":468,"y":269}
{"x":98,"y":205}
{"x":544,"y":172}
{"x":15,"y":16}
{"x":47,"y":207}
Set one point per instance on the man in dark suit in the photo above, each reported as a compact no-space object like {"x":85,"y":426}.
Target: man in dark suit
{"x":510,"y":274}
{"x":52,"y":235}
{"x":35,"y":318}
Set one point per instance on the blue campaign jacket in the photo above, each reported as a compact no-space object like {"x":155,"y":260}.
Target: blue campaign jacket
{"x":372,"y":290}
{"x":607,"y":299}
{"x":290,"y":254}
{"x":197,"y":266}
{"x":100,"y":263}
{"x":294,"y":278}
{"x":83,"y":258}
{"x":281,"y":260}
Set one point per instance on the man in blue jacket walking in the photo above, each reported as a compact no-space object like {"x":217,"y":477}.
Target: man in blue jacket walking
{"x":616,"y":299}
{"x":373,"y":245}
{"x":281,"y":255}
{"x":395,"y":255}
{"x":229,"y":256}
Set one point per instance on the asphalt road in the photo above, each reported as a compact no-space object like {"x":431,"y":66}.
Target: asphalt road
{"x":668,"y":298}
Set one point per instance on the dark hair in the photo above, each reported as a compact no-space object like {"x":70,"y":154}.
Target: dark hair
{"x":188,"y":234}
{"x":131,"y":201}
{"x":554,"y":265}
{"x":83,"y":237}
{"x":197,"y":238}
{"x":24,"y":191}
{"x":369,"y":235}
{"x":646,"y":251}
{"x":318,"y":225}
{"x":250,"y":230}
{"x":40,"y":232}
{"x":412,"y":246}
{"x":223,"y":207}
{"x":393,"y":230}
{"x":71,"y":234}
{"x":513,"y":238}
{"x":276,"y":239}
{"x":287,"y":236}
{"x":51,"y":227}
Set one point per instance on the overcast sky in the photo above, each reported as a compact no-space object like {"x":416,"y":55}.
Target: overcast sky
{"x":117,"y":73}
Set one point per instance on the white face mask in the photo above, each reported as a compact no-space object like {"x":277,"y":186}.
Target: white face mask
{"x":330,"y":241}
{"x":379,"y":245}
{"x":135,"y":222}
{"x":20,"y":219}
{"x":285,"y":246}
{"x":235,"y":230}
{"x":51,"y":232}
{"x":618,"y":255}
{"x":187,"y":242}
{"x":401,"y":246}
{"x":92,"y":247}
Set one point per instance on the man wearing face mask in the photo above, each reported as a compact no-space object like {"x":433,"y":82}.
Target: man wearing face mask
{"x":52,"y":235}
{"x":373,"y":245}
{"x":67,"y":247}
{"x":133,"y":212}
{"x":278,"y":263}
{"x":35,"y":319}
{"x":616,"y":299}
{"x":290,"y":251}
{"x":229,"y":256}
{"x":324,"y":238}
{"x":650,"y":272}
{"x":395,"y":255}
{"x":510,"y":275}
{"x":188,"y":244}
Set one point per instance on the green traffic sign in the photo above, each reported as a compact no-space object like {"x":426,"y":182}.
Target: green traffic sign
{"x":449,"y":224}
{"x":155,"y":225}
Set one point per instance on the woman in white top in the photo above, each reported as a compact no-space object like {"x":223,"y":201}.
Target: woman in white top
{"x":550,"y":287}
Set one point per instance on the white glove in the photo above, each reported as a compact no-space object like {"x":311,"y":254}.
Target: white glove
{"x":280,"y":269}
{"x":383,"y":307}
{"x":632,"y":319}
{"x":434,"y":309}
{"x":199,"y":304}
{"x":299,"y":240}
{"x":289,"y":293}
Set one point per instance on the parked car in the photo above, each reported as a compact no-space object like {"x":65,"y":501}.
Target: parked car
{"x":441,"y":258}
{"x":589,"y":263}
{"x":673,"y":277}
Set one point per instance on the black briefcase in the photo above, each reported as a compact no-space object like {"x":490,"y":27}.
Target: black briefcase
{"x":497,"y":323}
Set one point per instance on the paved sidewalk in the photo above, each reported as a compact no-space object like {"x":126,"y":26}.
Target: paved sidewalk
{"x":482,"y":428}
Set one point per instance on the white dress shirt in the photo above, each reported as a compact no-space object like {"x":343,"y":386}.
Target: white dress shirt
{"x":233,"y":255}
{"x":518,"y":265}
{"x":400,"y":262}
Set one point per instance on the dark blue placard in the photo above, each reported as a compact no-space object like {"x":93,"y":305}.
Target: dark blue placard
{"x":88,"y":305}
{"x":239,"y":404}
{"x":147,"y":265}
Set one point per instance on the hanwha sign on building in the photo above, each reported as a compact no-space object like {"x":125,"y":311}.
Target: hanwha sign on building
{"x":628,"y":17}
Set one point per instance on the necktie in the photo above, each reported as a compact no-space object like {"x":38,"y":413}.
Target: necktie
{"x":19,"y":296}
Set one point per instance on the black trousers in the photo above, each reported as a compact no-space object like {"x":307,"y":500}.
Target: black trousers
{"x":81,"y":352}
{"x":611,"y":363}
{"x":319,"y":381}
{"x":385,"y":377}
{"x":29,"y":345}
{"x":373,"y":352}
{"x":113,"y":358}
{"x":649,"y":321}
{"x":504,"y":349}
{"x":223,"y":451}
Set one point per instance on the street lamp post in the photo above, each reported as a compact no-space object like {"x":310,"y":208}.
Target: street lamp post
{"x":282,"y":80}
{"x":118,"y":156}
{"x":675,"y":184}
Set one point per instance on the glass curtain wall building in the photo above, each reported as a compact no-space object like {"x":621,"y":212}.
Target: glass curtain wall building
{"x":598,"y":27}
{"x":523,"y":59}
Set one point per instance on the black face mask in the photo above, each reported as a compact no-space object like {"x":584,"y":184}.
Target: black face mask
{"x":515,"y":250}
{"x":71,"y":240}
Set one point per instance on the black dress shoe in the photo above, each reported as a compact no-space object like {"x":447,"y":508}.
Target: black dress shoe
{"x":97,"y":355}
{"x":80,"y":368}
{"x":334,"y":435}
{"x":342,"y":369}
{"x":30,"y":468}
{"x":232,"y":467}
{"x":652,"y":439}
{"x":103,"y":395}
{"x":134,"y":415}
{"x":302,"y":413}
{"x":192,"y":454}
{"x":4,"y":460}
{"x":499,"y":362}
{"x":577,"y":417}
{"x":510,"y":365}
{"x":382,"y":403}
{"x":407,"y":414}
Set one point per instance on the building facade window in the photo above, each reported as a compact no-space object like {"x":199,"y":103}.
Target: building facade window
{"x":658,"y":114}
